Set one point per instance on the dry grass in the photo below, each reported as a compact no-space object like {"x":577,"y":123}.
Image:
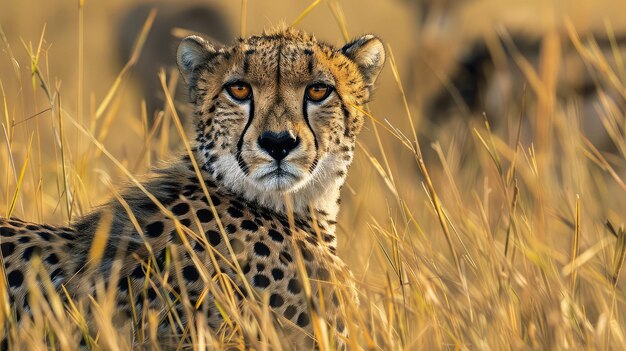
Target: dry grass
{"x":489,"y":241}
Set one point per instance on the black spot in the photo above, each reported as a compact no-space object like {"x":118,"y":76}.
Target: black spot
{"x":25,"y":304}
{"x":283,"y":221}
{"x":237,"y":245}
{"x":275,"y":235}
{"x":276,"y":300}
{"x":122,"y":284}
{"x":198,"y":246}
{"x":216,"y":200}
{"x":335,"y":300}
{"x":249,"y":225}
{"x":261,"y":281}
{"x":189,"y":190}
{"x":214,"y":237}
{"x":301,"y":223}
{"x":261,"y":249}
{"x":260,"y":267}
{"x":67,"y":236}
{"x":52,"y":259}
{"x":83,"y":343}
{"x":246,"y":268}
{"x":44,"y":235}
{"x":340,"y":325}
{"x":204,"y":215}
{"x":185,"y":222}
{"x":234,"y":212}
{"x":24,"y":239}
{"x":191,"y":273}
{"x":29,"y":251}
{"x":138,"y":272}
{"x":306,"y":254}
{"x":154,"y":229}
{"x":322,"y":273}
{"x":32,"y":227}
{"x":15,"y":278}
{"x":237,"y":205}
{"x":7,"y":231}
{"x":290,"y":312}
{"x":171,"y":190}
{"x":152,"y":295}
{"x":55,"y":273}
{"x":285,"y":257}
{"x":180,"y":209}
{"x":277,"y":274}
{"x":294,"y":286}
{"x":312,"y":239}
{"x":303,"y":320}
{"x":231,"y":228}
{"x":7,"y":249}
{"x":133,"y":246}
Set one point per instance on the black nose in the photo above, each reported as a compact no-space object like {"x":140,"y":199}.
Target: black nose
{"x":278,"y":145}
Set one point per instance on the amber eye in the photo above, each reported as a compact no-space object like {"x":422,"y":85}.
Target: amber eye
{"x":239,"y":90}
{"x":318,"y":92}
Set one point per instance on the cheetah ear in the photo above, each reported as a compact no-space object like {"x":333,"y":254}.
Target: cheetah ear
{"x":368,"y":53}
{"x":193,"y":53}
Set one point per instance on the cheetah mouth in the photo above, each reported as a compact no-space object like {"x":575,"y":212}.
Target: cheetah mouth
{"x":278,"y":178}
{"x":276,"y":173}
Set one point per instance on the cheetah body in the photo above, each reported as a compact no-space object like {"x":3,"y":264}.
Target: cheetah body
{"x":218,"y":227}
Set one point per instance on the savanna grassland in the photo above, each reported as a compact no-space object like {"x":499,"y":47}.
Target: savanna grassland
{"x":487,"y":232}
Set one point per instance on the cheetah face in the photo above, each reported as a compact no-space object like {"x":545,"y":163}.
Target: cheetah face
{"x":277,"y":110}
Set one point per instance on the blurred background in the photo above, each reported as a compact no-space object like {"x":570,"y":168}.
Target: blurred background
{"x":548,"y":75}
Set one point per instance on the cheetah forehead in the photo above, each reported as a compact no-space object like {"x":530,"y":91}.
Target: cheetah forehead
{"x":286,"y":56}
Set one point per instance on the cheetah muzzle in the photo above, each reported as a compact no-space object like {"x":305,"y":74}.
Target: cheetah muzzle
{"x":275,"y":121}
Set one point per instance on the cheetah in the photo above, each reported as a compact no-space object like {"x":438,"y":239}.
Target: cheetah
{"x":275,"y":120}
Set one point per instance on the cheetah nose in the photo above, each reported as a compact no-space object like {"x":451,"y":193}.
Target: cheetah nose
{"x":278,"y":145}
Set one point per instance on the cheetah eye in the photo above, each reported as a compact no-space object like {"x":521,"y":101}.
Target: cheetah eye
{"x":239,"y":90}
{"x":318,"y":92}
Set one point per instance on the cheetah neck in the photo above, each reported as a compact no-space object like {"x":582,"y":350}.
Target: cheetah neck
{"x":321,"y":193}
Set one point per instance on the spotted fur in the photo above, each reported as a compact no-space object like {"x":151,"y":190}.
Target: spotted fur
{"x":242,"y":190}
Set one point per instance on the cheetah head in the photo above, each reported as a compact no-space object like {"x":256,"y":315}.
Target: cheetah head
{"x":279,"y":112}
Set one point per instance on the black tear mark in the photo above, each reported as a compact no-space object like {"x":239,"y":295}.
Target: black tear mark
{"x":240,"y":161}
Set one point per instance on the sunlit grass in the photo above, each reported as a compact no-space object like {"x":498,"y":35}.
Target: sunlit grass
{"x":487,"y":239}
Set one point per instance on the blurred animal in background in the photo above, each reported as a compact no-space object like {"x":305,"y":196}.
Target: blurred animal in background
{"x":488,"y":72}
{"x":173,"y":21}
{"x":489,"y":79}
